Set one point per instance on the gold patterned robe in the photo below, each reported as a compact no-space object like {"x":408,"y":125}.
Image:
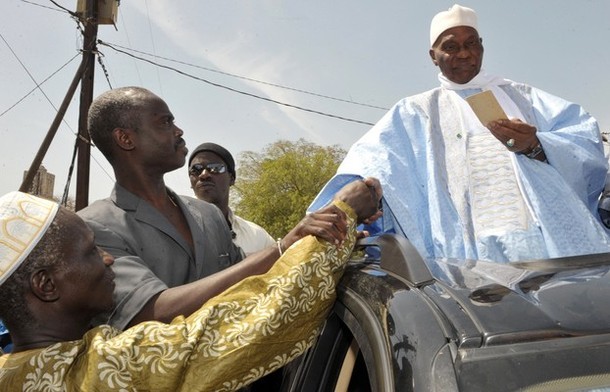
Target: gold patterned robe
{"x":256,"y":326}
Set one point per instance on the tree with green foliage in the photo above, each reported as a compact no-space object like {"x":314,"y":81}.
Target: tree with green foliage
{"x":274,"y":187}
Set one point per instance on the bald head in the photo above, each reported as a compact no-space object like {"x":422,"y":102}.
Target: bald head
{"x":117,"y":108}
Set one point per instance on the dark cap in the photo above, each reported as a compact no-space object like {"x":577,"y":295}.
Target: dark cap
{"x":218,"y":150}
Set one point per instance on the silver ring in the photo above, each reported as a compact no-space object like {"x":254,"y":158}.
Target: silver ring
{"x":510,"y":142}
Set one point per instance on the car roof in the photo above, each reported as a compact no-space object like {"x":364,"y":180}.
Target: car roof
{"x":486,"y":303}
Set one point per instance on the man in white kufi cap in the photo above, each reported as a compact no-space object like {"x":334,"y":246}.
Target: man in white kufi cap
{"x":453,"y":17}
{"x":24,"y":220}
{"x":54,"y":280}
{"x":517,"y":183}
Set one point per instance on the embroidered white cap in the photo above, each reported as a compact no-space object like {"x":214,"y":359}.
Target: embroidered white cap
{"x":23,"y":221}
{"x":453,"y":17}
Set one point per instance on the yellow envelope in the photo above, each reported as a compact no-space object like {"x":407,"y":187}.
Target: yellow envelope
{"x":486,"y":107}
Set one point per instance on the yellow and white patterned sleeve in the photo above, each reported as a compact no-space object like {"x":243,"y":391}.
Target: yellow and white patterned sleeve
{"x":265,"y":321}
{"x":251,"y":329}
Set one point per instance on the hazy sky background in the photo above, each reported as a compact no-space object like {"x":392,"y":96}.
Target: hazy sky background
{"x":366,"y":52}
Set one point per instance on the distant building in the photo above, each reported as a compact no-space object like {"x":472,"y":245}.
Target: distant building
{"x":43,"y":184}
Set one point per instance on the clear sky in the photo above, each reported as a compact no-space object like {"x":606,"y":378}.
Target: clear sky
{"x":370,"y":53}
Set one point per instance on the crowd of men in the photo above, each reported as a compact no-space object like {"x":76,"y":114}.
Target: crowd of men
{"x":146,"y":289}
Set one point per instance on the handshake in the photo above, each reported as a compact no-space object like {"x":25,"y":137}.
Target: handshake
{"x":330,"y":223}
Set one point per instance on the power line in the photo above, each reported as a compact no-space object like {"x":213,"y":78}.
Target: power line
{"x":36,"y":88}
{"x":63,"y":10}
{"x":38,"y":85}
{"x":251,"y":79}
{"x":235,"y":90}
{"x":101,"y":62}
{"x":129,"y":42}
{"x":28,"y":72}
{"x":74,"y":14}
{"x":152,"y":41}
{"x":99,"y":57}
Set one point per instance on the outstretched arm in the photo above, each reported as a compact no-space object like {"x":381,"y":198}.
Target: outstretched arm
{"x":329,"y":224}
{"x":256,"y":326}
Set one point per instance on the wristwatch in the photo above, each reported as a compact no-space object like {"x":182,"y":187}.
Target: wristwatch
{"x":534,"y":152}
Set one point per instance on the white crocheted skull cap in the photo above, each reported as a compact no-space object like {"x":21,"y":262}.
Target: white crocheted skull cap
{"x":453,"y":17}
{"x":24,"y":219}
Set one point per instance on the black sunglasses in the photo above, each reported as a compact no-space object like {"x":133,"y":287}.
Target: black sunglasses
{"x":212,"y":168}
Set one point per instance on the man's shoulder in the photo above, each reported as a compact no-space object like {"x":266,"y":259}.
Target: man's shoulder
{"x":519,"y":86}
{"x":99,"y":210}
{"x":194,"y":201}
{"x":419,"y":100}
{"x":108,"y":209}
{"x":435,"y":92}
{"x":105,"y":216}
{"x":200,"y":205}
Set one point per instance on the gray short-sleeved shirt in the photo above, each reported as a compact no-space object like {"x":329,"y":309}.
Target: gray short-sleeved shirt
{"x":150,"y":254}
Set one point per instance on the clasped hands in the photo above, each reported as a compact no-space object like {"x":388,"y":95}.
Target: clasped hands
{"x":330,"y":223}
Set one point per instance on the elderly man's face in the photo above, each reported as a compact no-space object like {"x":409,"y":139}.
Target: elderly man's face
{"x":458,"y":52}
{"x":87,"y":281}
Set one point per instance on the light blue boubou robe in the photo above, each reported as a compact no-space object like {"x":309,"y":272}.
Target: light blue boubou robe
{"x":414,"y":150}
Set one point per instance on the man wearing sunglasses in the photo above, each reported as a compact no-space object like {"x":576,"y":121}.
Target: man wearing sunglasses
{"x":172,"y":253}
{"x":212,"y":173}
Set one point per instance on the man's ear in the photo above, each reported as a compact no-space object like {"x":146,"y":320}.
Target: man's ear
{"x":232,"y":179}
{"x":433,"y":57}
{"x":123,"y":137}
{"x":42,"y":284}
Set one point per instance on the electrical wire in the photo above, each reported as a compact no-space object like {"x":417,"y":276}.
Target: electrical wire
{"x":235,"y":90}
{"x":63,"y":10}
{"x":129,"y":42}
{"x":74,"y":14}
{"x":28,"y":72}
{"x":250,"y":79}
{"x":152,"y":41}
{"x":101,"y":62}
{"x":36,"y":88}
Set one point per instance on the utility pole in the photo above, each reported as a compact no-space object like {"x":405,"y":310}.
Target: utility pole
{"x":86,"y":97}
{"x":89,"y":13}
